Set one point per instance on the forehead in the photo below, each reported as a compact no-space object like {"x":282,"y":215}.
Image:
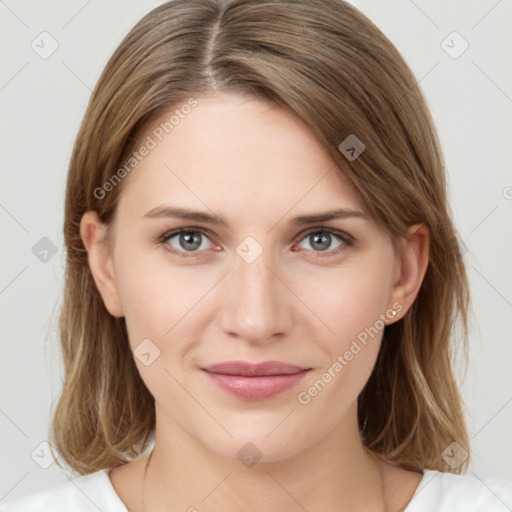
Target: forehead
{"x":235,"y":154}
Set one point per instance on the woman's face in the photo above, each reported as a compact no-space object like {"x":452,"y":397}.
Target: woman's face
{"x":259,"y":286}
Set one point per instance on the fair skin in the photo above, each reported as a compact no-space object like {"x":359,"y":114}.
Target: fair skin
{"x":257,"y":167}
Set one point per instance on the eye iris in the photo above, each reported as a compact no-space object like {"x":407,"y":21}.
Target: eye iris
{"x":190,"y":238}
{"x":321,"y":238}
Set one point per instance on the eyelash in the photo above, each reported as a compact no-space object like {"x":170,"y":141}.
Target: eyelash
{"x":339,"y":235}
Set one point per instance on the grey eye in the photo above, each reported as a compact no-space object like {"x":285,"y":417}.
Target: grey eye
{"x":188,"y":241}
{"x":321,"y":240}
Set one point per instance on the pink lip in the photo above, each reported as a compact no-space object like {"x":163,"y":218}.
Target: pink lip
{"x":255,"y":381}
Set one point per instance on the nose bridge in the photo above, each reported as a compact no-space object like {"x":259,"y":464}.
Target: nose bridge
{"x":255,"y":308}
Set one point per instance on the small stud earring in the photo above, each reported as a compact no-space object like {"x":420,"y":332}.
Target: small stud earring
{"x":393,"y":313}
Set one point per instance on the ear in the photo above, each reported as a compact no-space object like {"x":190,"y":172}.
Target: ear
{"x":93,"y":232}
{"x":410,"y":268}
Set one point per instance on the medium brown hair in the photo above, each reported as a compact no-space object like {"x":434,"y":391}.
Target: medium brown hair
{"x":334,"y":69}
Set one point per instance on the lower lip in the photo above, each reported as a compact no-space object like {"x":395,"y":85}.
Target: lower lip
{"x":255,"y":388}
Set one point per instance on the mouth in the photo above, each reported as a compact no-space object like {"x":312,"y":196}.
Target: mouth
{"x":249,"y":381}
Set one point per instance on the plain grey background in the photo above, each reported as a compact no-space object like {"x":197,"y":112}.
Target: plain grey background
{"x":42,"y":100}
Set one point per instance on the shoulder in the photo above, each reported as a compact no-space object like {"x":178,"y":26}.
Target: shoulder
{"x":446,"y":492}
{"x":86,"y":493}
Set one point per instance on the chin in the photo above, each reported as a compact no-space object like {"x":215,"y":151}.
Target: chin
{"x":254,"y":445}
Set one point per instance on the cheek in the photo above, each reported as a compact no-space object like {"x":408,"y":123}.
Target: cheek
{"x":159,"y":304}
{"x":352,"y":308}
{"x":158,"y":298}
{"x":349,"y":301}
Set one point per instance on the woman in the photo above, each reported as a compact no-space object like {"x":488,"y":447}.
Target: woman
{"x":263,"y":277}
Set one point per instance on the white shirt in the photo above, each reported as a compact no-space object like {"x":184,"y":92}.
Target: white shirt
{"x":437,"y":492}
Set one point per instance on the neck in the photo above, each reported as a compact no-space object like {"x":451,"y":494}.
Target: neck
{"x":336,"y":474}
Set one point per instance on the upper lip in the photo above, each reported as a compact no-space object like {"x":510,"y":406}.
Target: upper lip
{"x":254,"y":369}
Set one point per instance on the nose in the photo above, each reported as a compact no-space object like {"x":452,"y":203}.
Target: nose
{"x":256,"y":304}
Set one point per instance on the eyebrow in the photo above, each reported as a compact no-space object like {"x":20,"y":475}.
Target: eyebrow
{"x":198,"y":216}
